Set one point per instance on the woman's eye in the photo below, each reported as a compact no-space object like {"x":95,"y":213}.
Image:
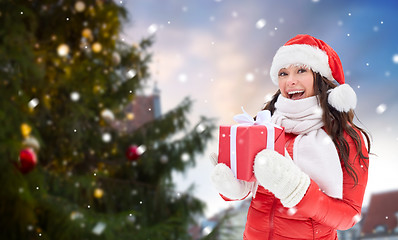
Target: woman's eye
{"x":282,"y":74}
{"x":302,"y":70}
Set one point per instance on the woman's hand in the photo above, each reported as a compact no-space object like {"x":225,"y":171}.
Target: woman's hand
{"x":281,"y":176}
{"x":225,"y":182}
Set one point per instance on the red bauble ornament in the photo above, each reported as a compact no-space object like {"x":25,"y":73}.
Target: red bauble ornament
{"x":27,"y":160}
{"x":133,"y":153}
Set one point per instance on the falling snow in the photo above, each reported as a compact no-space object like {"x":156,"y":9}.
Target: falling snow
{"x":63,"y":50}
{"x":152,"y":29}
{"x":182,"y":77}
{"x":249,"y":77}
{"x":357,"y":218}
{"x":33,"y":103}
{"x":141,"y":149}
{"x":185,"y":157}
{"x":268,"y":97}
{"x":207,"y":230}
{"x":75,"y":96}
{"x":291,"y":211}
{"x":76,"y":215}
{"x":99,"y":228}
{"x":395,"y":58}
{"x":260,"y":23}
{"x":200,"y":128}
{"x":131,"y":73}
{"x":106,"y":137}
{"x":131,"y":218}
{"x":381,"y":108}
{"x":345,"y":25}
{"x":107,"y":115}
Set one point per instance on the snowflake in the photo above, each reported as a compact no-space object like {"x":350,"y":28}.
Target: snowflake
{"x":75,"y":96}
{"x":260,"y":23}
{"x":395,"y":58}
{"x":33,"y":103}
{"x":381,"y":108}
{"x":152,"y":28}
{"x":106,"y":137}
{"x":249,"y":77}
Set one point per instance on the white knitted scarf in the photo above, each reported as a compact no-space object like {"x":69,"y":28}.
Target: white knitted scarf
{"x":313,"y":149}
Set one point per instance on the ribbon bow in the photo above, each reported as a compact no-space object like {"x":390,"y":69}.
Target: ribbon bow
{"x":263,"y":118}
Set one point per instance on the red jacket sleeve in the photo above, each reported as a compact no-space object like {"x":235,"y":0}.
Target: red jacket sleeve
{"x":342,"y":213}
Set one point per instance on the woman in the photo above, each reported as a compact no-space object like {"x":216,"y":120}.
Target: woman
{"x":318,"y":186}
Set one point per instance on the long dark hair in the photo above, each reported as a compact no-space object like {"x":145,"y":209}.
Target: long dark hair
{"x":335,"y":124}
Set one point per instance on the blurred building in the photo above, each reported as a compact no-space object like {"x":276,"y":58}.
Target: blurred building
{"x":143,"y":109}
{"x":381,"y":221}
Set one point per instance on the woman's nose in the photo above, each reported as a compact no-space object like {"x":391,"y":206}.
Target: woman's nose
{"x":291,"y":81}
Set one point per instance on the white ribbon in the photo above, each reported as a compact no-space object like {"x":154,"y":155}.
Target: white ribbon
{"x":244,"y":119}
{"x":262,"y":118}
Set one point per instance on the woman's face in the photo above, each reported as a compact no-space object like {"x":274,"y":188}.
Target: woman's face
{"x":296,"y":82}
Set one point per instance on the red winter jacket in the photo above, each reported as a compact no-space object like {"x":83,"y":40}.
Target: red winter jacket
{"x":317,"y":216}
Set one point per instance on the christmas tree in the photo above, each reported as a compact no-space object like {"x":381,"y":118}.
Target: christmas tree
{"x":68,"y":168}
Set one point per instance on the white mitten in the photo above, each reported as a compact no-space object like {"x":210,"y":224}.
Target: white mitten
{"x":281,"y":176}
{"x":225,"y":182}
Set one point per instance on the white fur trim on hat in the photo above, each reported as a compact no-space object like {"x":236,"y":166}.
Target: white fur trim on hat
{"x":312,"y":57}
{"x":342,"y":98}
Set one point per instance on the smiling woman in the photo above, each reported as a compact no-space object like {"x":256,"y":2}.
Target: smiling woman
{"x":318,"y":186}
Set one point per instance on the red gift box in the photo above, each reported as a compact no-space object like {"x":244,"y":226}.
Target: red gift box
{"x":239,"y":145}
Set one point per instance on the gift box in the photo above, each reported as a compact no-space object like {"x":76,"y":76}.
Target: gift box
{"x":239,"y":144}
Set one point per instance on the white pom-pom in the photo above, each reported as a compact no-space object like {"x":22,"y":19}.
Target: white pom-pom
{"x":342,"y":98}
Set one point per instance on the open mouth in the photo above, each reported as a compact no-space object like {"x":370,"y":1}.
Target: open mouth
{"x":294,"y":95}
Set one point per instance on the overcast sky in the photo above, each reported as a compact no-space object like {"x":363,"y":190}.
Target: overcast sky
{"x":219,"y":52}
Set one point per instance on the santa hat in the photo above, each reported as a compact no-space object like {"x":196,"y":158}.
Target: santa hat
{"x":321,"y":58}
